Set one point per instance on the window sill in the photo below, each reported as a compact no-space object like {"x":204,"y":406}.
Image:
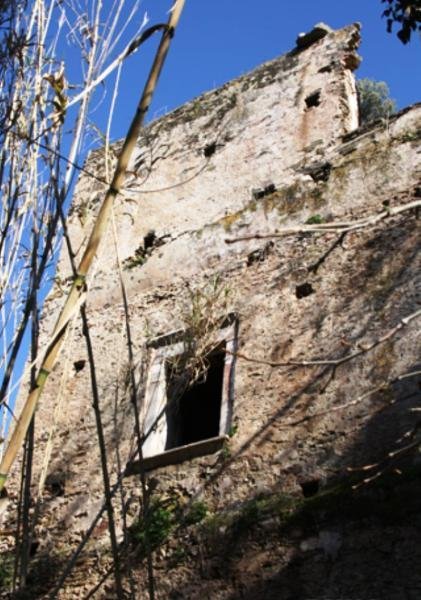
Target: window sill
{"x":177,"y":455}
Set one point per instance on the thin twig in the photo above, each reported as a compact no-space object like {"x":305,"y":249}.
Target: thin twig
{"x":338,"y":242}
{"x":381,"y":387}
{"x":129,"y":49}
{"x":335,"y":362}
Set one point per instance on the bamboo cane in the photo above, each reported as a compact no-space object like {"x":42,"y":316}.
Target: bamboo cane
{"x":97,"y":234}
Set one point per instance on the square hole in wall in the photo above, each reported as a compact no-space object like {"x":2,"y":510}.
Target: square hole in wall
{"x":313,"y":100}
{"x":185,"y":417}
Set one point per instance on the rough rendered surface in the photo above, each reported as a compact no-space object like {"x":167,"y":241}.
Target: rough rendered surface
{"x":276,"y":148}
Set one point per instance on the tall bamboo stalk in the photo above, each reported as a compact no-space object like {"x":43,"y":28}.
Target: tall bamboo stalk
{"x":71,"y":304}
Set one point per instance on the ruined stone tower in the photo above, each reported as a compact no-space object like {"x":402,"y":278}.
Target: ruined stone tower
{"x":214,"y":235}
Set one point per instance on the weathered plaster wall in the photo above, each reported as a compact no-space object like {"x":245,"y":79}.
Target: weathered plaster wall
{"x":336,"y":544}
{"x":259,"y":127}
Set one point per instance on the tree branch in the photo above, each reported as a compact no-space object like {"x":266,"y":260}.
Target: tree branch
{"x":335,"y":227}
{"x":334,"y":362}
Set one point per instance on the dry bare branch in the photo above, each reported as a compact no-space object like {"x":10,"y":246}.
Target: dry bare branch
{"x":335,"y":362}
{"x":379,"y":388}
{"x":333,"y":227}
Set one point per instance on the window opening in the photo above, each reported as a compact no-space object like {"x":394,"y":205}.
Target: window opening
{"x":260,"y":193}
{"x":209,"y":150}
{"x":310,"y":488}
{"x":326,"y":69}
{"x":182,"y":422}
{"x":313,"y":100}
{"x":196,"y":414}
{"x":78,"y":365}
{"x":319,"y":171}
{"x":304,"y":290}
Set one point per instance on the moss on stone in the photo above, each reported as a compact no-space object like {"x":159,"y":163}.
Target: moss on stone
{"x":286,"y":201}
{"x":387,"y":500}
{"x":410,"y":136}
{"x":228,"y":221}
{"x":7,"y":561}
{"x":294,"y":198}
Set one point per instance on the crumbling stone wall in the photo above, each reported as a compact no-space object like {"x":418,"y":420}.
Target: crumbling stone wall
{"x":203,"y":161}
{"x":245,"y":161}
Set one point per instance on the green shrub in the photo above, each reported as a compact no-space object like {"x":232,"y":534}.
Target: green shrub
{"x":6,"y":570}
{"x":374,"y":100}
{"x":315,"y":220}
{"x":196,"y":514}
{"x":232,"y":430}
{"x":154,"y":529}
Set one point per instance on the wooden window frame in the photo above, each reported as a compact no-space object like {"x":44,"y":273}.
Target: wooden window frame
{"x":153,"y":415}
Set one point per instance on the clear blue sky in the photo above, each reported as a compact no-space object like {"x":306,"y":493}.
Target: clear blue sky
{"x":221,"y":39}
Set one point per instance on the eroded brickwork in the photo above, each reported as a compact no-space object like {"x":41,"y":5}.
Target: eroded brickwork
{"x":277,"y":148}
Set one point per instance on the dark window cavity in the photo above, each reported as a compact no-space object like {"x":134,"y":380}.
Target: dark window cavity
{"x":209,"y":150}
{"x":313,"y":100}
{"x":260,"y":193}
{"x":326,"y":69}
{"x":319,"y":172}
{"x":195,"y":415}
{"x":310,"y":487}
{"x":303,"y":290}
{"x":78,"y":365}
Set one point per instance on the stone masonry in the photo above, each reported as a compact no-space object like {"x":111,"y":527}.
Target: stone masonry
{"x":287,"y":517}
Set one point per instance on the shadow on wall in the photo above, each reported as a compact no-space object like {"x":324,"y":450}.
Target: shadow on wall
{"x":337,"y":536}
{"x":323,"y":539}
{"x":330,"y":541}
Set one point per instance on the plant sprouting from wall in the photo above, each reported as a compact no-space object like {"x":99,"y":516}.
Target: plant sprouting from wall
{"x":203,"y":314}
{"x":150,"y":531}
